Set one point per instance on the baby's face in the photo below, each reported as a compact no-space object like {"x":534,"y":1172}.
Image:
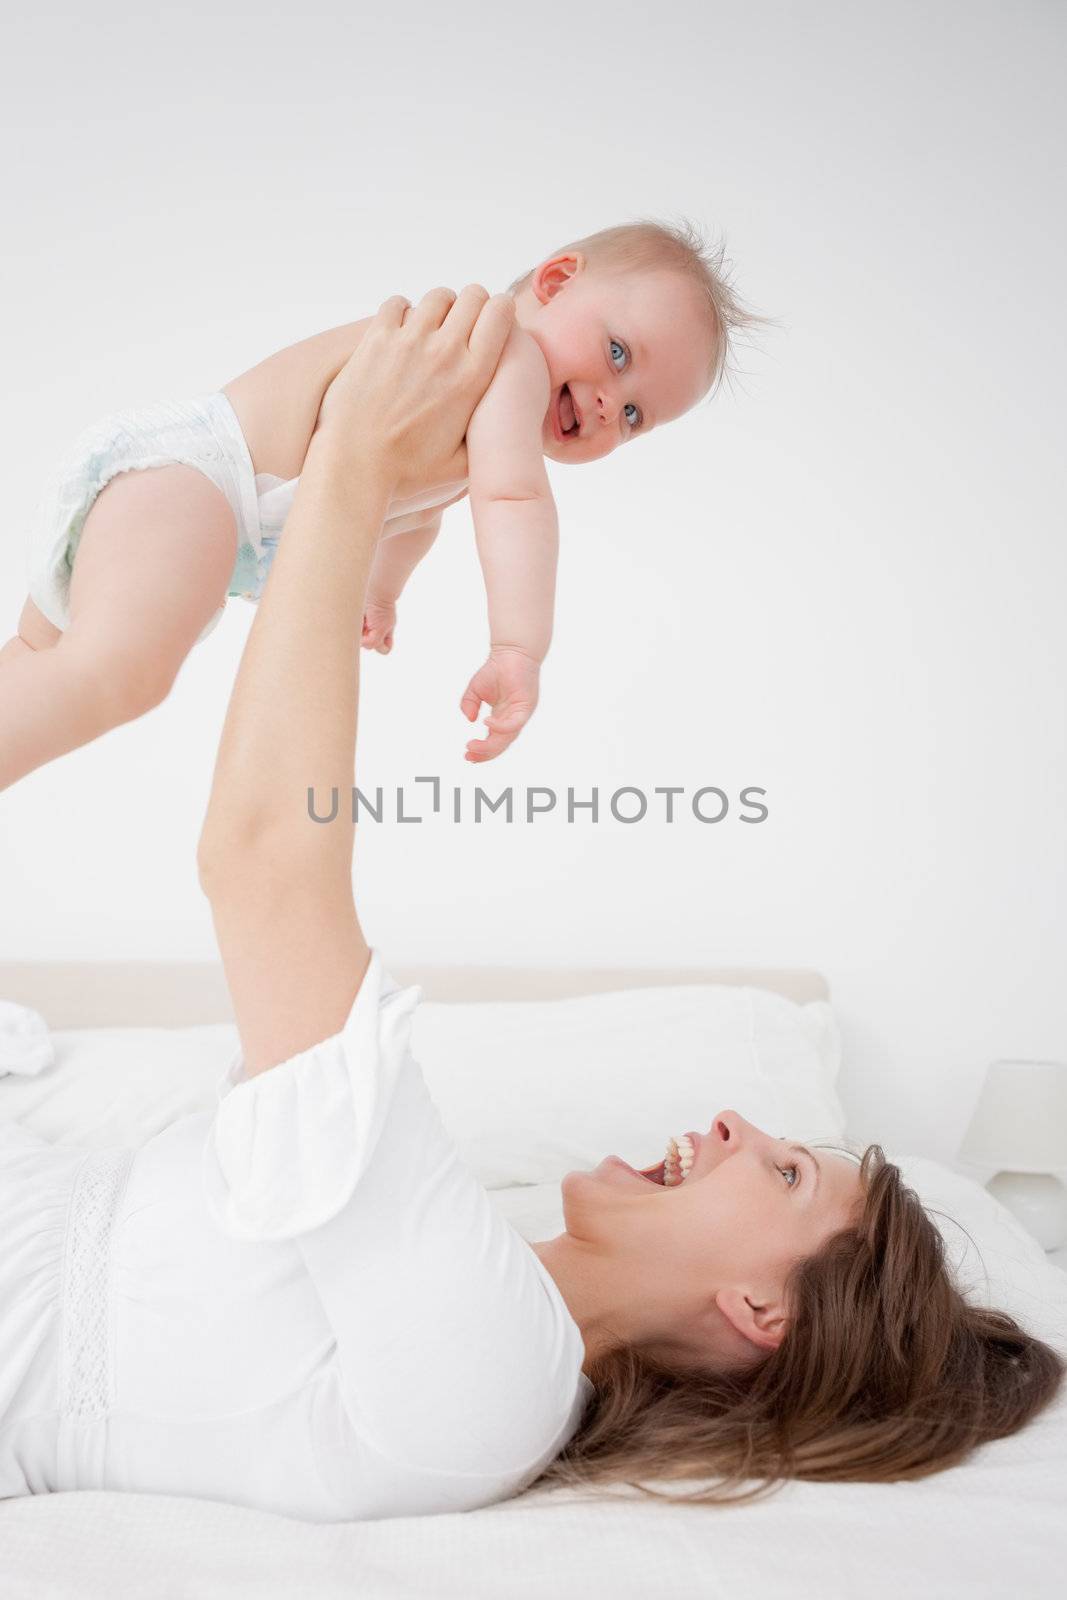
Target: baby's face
{"x":625,"y":352}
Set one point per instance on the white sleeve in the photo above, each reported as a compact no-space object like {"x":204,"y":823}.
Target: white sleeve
{"x":455,"y":1350}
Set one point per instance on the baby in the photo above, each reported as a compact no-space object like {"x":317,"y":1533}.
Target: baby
{"x":614,"y":335}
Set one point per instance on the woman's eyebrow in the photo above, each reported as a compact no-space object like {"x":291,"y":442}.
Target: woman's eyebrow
{"x":803,"y":1150}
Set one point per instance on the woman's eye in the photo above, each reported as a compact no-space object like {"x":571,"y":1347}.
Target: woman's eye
{"x":615,"y":345}
{"x":795,"y":1170}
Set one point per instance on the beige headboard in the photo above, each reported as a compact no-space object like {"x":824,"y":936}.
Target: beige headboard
{"x":88,"y":994}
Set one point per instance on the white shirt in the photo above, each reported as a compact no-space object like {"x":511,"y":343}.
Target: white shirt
{"x":301,"y":1302}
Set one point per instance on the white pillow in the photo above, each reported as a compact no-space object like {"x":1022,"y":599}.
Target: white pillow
{"x":529,"y":1090}
{"x":995,"y":1259}
{"x":533,"y":1089}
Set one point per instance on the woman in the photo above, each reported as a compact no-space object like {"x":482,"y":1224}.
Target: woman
{"x":302,"y":1302}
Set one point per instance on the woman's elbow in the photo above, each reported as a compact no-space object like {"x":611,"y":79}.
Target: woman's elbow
{"x":222,"y":858}
{"x":210,"y":859}
{"x":273,"y":856}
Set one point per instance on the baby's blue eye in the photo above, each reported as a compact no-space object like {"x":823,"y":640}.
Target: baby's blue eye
{"x":635,"y":420}
{"x":615,"y":345}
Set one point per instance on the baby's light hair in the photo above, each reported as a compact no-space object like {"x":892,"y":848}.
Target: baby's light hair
{"x":651,"y":245}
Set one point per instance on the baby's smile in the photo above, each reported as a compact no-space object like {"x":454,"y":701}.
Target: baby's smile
{"x":565,"y":414}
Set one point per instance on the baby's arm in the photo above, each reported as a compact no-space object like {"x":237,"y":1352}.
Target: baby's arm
{"x":517,"y":533}
{"x":394,"y":561}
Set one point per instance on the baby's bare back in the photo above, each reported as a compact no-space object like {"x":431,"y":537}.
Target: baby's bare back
{"x":277,"y":405}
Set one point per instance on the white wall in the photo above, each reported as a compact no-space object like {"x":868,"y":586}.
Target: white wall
{"x":843,"y":582}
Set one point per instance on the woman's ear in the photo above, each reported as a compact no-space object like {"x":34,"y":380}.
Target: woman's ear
{"x":550,"y":277}
{"x":760,"y":1321}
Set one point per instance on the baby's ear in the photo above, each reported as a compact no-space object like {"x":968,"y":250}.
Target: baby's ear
{"x":554,"y":274}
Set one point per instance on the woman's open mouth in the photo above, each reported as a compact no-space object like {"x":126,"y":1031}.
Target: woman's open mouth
{"x":676,"y":1165}
{"x":566,"y":420}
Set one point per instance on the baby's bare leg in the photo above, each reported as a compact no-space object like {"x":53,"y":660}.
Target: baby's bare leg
{"x":150,"y":571}
{"x":35,"y":632}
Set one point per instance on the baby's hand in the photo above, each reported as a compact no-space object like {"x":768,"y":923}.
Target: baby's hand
{"x":378,"y":624}
{"x":508,"y":682}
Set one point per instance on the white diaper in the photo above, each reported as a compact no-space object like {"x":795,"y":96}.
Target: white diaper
{"x":202,"y":433}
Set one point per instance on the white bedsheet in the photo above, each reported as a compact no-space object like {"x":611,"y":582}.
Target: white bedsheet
{"x":991,"y":1529}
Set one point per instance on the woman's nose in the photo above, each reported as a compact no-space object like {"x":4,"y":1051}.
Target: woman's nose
{"x":726,"y":1129}
{"x":731,"y":1130}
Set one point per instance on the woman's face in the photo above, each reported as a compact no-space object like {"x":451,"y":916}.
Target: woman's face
{"x":701,"y":1265}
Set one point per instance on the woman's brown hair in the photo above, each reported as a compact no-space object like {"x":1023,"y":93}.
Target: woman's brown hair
{"x":886,"y":1372}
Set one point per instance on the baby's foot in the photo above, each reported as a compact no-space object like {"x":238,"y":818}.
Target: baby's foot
{"x":378,"y":624}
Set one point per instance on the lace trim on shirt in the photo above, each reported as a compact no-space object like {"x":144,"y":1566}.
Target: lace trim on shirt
{"x":85,"y":1383}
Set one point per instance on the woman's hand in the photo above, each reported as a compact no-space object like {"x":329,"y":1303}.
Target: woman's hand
{"x":408,"y":391}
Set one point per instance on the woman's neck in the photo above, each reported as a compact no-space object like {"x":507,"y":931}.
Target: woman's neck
{"x":574,"y":1272}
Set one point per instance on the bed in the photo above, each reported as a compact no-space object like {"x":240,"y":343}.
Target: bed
{"x":133,"y":1045}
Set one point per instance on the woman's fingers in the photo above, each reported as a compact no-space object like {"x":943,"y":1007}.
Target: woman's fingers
{"x":464,"y":313}
{"x":431,"y":310}
{"x":416,"y":392}
{"x":491,"y":331}
{"x":391,"y":311}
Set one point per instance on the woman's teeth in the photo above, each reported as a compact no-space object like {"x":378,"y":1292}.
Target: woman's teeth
{"x":678,"y":1161}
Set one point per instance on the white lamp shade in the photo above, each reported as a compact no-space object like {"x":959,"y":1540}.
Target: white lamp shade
{"x":1020,"y":1121}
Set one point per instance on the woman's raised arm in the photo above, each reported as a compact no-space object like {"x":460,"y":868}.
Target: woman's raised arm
{"x":280,"y":884}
